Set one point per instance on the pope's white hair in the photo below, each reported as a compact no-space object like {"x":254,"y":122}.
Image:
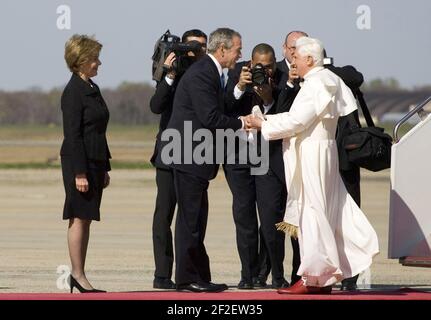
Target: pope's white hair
{"x":306,"y":46}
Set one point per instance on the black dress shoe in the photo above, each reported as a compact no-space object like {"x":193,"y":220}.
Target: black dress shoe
{"x":245,"y":285}
{"x":222,"y":286}
{"x":163,"y":283}
{"x":349,"y":286}
{"x":259,"y":282}
{"x":202,"y":287}
{"x":280,"y":283}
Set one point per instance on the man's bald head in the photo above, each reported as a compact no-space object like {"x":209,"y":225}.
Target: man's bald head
{"x":295,"y":35}
{"x":289,"y":43}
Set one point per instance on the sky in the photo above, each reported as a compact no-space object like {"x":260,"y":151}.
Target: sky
{"x":386,"y":38}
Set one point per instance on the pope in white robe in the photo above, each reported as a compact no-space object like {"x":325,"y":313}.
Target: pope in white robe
{"x":335,"y":238}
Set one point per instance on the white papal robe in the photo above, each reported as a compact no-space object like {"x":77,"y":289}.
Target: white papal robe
{"x":335,"y":238}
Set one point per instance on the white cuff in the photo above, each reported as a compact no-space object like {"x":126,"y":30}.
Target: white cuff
{"x":289,"y":84}
{"x":169,"y":80}
{"x":242,"y":121}
{"x":237,"y":93}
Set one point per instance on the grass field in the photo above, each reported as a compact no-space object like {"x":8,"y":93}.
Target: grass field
{"x":32,"y":146}
{"x":53,"y":132}
{"x":38,"y":146}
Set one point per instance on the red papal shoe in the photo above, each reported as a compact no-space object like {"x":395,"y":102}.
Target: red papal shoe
{"x":300,"y":288}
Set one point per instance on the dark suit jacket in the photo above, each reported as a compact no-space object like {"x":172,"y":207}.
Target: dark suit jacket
{"x":285,"y":99}
{"x":353,"y":79}
{"x":287,"y":93}
{"x":199,"y":99}
{"x":85,"y":119}
{"x":161,"y":103}
{"x":282,"y":66}
{"x":248,"y":100}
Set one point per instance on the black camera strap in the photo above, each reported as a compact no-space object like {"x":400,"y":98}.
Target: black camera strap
{"x":364,"y":108}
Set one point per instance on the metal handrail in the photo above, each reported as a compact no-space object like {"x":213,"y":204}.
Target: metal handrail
{"x":418,"y":109}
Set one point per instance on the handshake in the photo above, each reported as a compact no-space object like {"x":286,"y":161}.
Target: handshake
{"x":253,"y":120}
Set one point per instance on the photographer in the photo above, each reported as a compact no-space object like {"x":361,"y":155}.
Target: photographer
{"x":255,"y":83}
{"x":161,"y":103}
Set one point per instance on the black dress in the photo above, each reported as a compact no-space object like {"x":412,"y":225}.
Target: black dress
{"x":84,"y":148}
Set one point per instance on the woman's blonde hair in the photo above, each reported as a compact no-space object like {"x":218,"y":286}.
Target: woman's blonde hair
{"x":80,"y":49}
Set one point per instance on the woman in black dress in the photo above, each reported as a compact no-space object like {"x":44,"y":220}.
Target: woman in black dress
{"x":84,"y":153}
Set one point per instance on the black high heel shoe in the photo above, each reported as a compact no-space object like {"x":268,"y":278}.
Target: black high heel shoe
{"x":75,"y":284}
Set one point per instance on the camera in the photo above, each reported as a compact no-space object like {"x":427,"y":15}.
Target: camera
{"x":259,"y":75}
{"x":170,"y":43}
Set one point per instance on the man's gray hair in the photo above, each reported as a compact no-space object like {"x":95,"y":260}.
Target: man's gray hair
{"x":221,"y":36}
{"x":306,"y":46}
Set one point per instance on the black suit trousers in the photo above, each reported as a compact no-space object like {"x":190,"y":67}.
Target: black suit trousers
{"x":260,"y":255}
{"x":271,"y":202}
{"x":243,"y":188}
{"x":192,"y":262}
{"x":352,"y":180}
{"x":163,"y":214}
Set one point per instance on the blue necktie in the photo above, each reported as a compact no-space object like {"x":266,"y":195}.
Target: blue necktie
{"x":222,"y":80}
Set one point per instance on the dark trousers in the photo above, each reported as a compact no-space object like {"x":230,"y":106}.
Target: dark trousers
{"x":162,"y":220}
{"x":352,"y":179}
{"x":258,"y":255}
{"x":265,"y":261}
{"x":191,"y":259}
{"x":243,"y":188}
{"x":271,"y":202}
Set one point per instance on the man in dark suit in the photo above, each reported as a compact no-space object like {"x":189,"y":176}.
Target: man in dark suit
{"x":350,"y":172}
{"x":268,"y":190}
{"x":198,"y":107}
{"x":161,"y":103}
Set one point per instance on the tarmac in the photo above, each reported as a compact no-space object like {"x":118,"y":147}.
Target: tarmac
{"x":33,"y":248}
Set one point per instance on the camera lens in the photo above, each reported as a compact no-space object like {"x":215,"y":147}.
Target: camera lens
{"x":258,"y":74}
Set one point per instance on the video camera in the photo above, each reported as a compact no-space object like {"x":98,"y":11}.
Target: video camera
{"x":170,"y":43}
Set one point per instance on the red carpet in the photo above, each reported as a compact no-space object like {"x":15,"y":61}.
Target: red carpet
{"x":402,"y":294}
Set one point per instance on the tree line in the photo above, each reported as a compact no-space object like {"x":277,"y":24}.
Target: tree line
{"x":128,"y":103}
